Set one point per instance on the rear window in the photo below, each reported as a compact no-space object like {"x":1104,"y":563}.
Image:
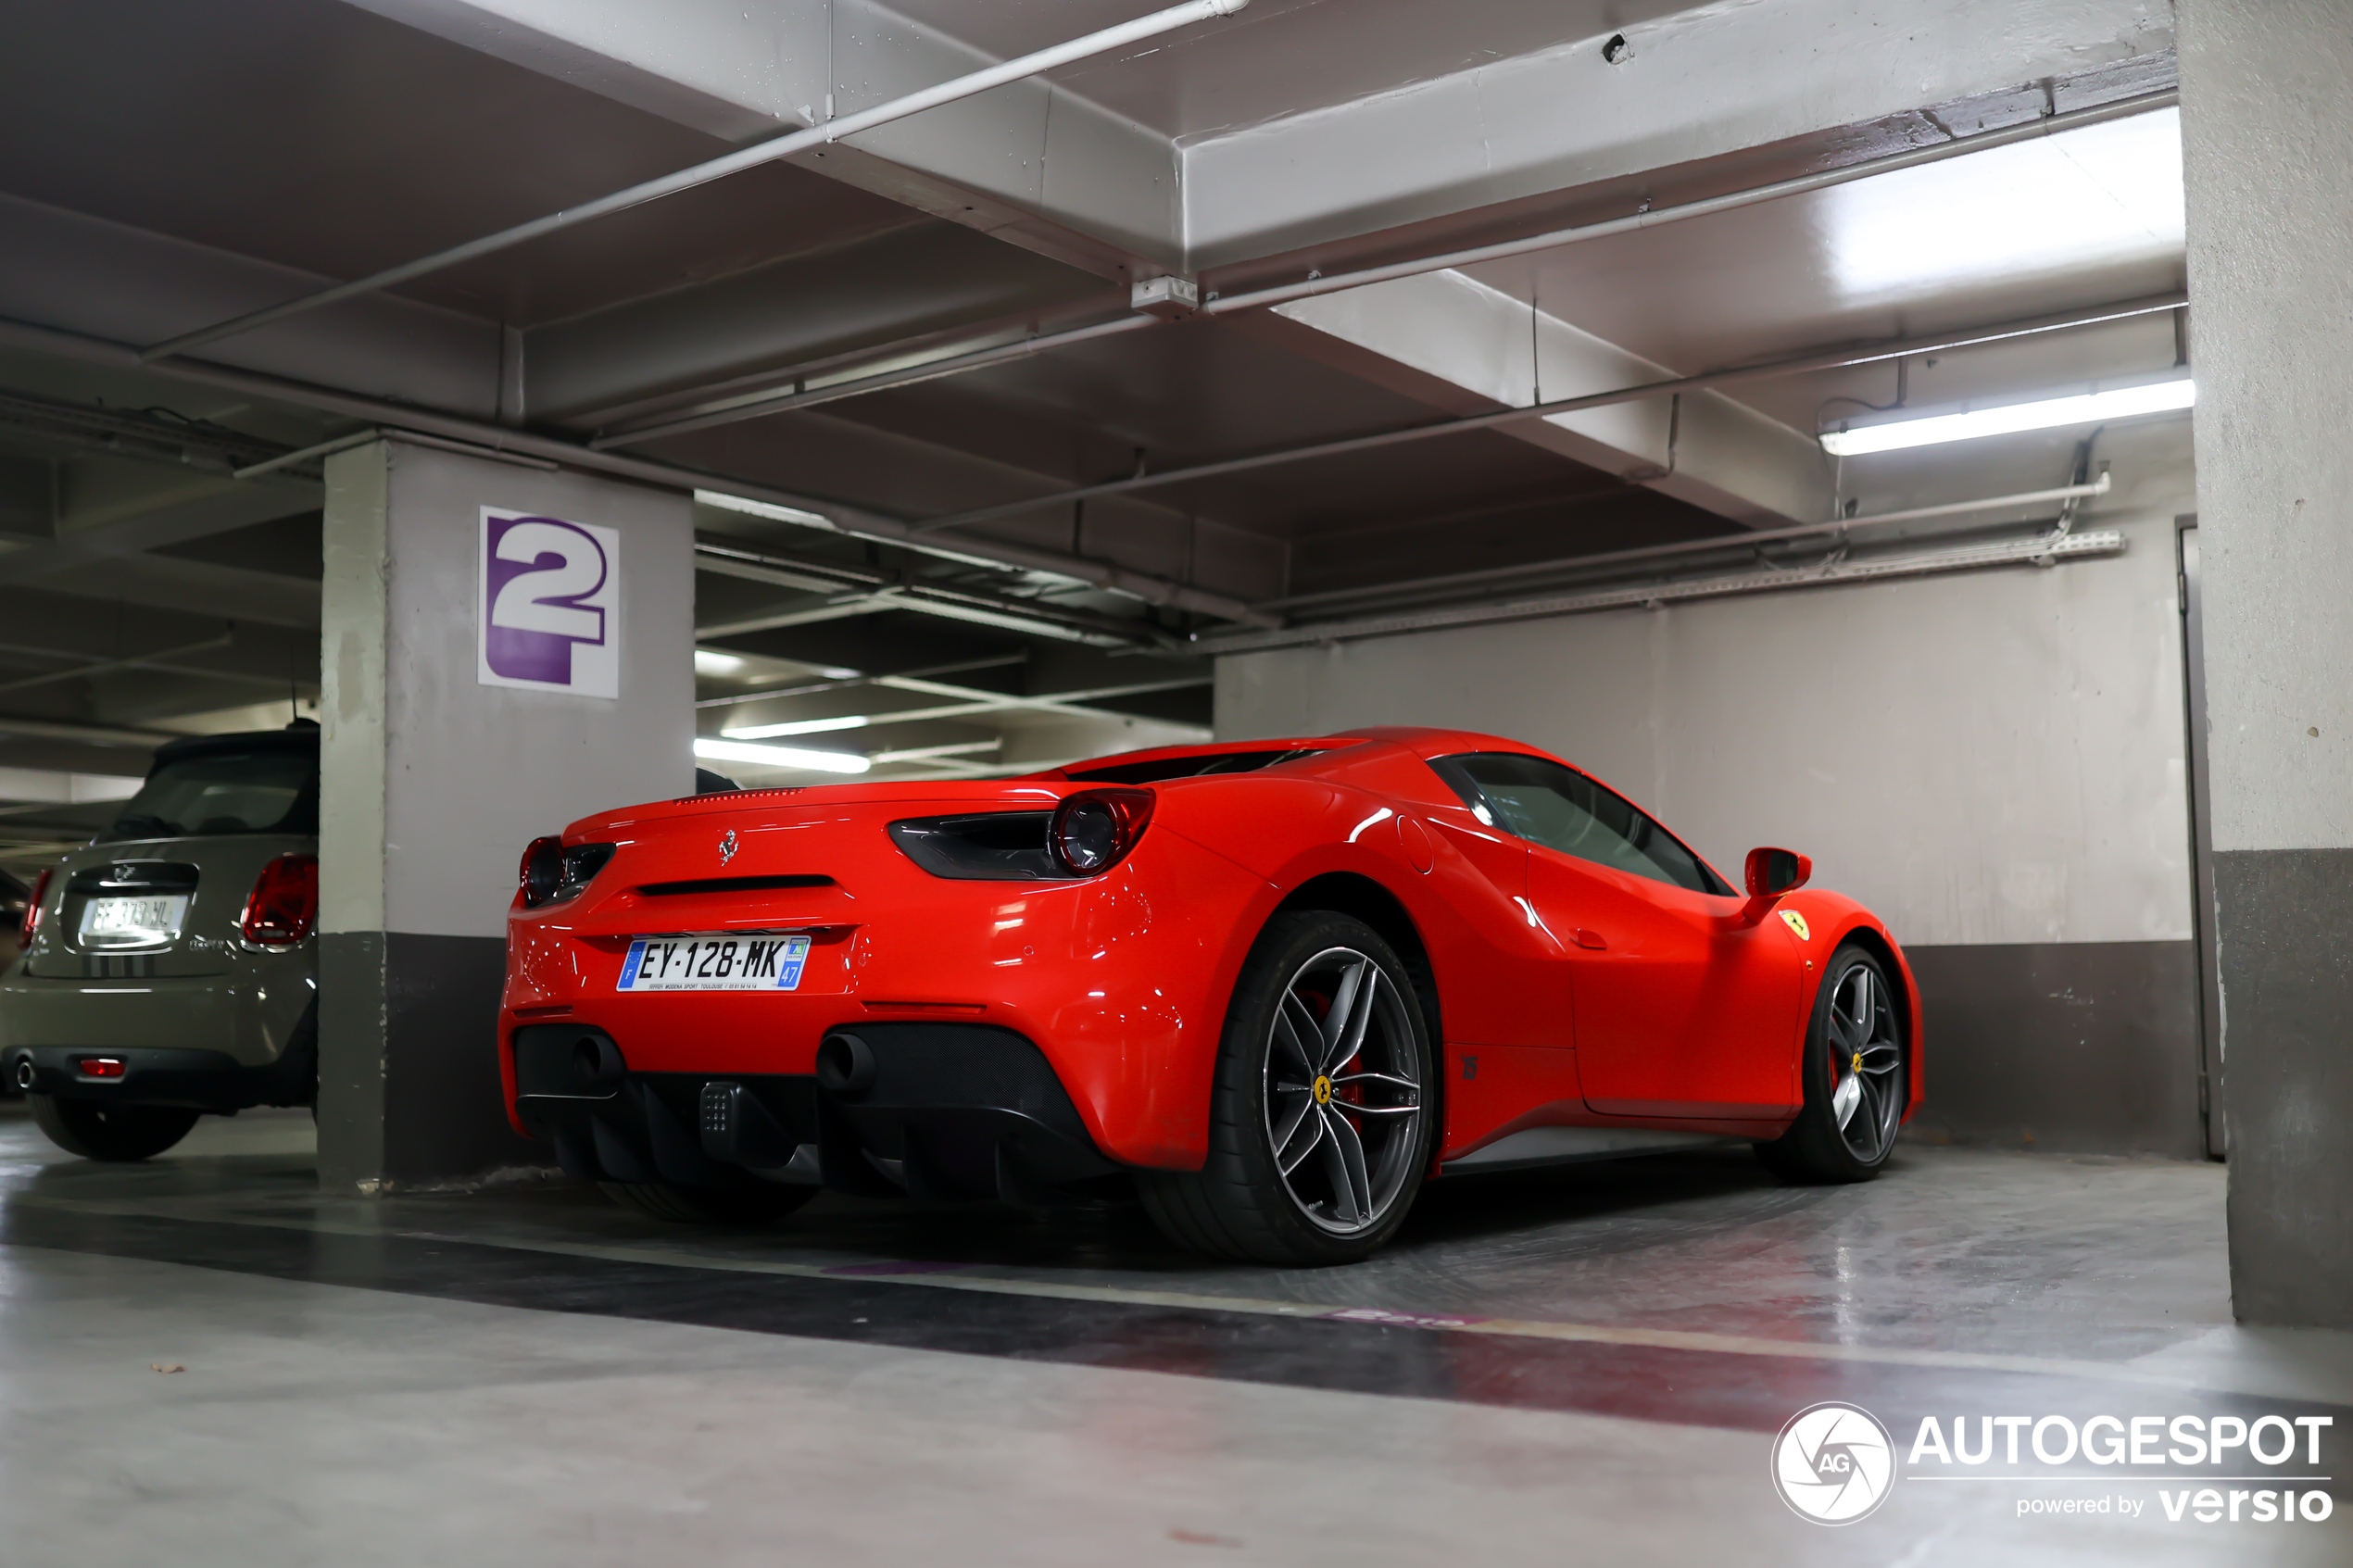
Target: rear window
{"x":225,"y":791}
{"x":1161,"y":768}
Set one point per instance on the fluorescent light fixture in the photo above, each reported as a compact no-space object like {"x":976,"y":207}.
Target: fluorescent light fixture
{"x":779,"y":755}
{"x":797,"y":727}
{"x":2049,"y":413}
{"x":710,"y":663}
{"x":768,"y":509}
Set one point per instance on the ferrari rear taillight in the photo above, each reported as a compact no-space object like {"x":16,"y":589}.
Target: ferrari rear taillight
{"x":284,"y":903}
{"x":550,"y":872}
{"x":542,"y":871}
{"x":1092,"y":831}
{"x":32,"y":909}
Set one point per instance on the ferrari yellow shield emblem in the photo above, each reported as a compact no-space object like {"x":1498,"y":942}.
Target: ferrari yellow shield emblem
{"x":1798,"y":923}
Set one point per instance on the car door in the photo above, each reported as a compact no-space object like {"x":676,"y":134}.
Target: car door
{"x":1683,"y":1006}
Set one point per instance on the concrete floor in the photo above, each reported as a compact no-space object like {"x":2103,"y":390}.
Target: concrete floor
{"x":1582,"y":1365}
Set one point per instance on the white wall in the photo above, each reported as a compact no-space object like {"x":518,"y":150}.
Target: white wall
{"x":1991,"y":756}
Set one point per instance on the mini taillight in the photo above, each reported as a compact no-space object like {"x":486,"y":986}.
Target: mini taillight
{"x":100,"y":1067}
{"x":1092,"y":831}
{"x":32,"y":911}
{"x":284,"y":903}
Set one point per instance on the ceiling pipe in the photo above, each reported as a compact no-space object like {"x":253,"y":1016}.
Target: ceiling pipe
{"x":934,"y":369}
{"x":494,"y":440}
{"x":719,"y":168}
{"x":752,"y":406}
{"x":135,"y":661}
{"x":954,"y":604}
{"x":2041,"y":548}
{"x":1437,"y":587}
{"x":1825,"y":359}
{"x":94,"y":734}
{"x":851,"y":364}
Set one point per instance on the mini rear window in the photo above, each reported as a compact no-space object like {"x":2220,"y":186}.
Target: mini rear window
{"x":1162,"y":768}
{"x":268,"y":790}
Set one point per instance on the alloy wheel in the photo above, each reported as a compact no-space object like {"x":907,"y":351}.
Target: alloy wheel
{"x":1343,"y":1091}
{"x":1866,"y":1063}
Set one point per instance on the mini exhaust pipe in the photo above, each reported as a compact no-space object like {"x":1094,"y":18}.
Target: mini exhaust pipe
{"x":24,"y":1073}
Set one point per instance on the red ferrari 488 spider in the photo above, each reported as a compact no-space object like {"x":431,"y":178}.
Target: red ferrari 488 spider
{"x":1275,"y":986}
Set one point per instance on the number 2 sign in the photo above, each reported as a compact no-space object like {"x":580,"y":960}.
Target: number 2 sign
{"x":550,"y":603}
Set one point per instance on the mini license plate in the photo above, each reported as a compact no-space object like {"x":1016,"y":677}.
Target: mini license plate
{"x":148,"y":922}
{"x":714,"y":960}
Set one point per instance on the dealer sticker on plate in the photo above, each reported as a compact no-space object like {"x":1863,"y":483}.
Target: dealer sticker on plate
{"x":714,"y":960}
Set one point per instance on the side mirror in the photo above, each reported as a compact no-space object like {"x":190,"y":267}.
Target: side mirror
{"x":1771,"y":872}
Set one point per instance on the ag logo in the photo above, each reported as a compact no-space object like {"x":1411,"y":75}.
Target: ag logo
{"x":1834,"y":1463}
{"x":1796,"y":922}
{"x":727,"y":846}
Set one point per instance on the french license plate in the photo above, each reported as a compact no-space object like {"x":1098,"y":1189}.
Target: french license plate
{"x":715,"y":960}
{"x":132,"y":922}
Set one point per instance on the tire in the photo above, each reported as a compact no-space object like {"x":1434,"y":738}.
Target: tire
{"x":1325,"y":1067}
{"x":1857,"y":1036}
{"x":710,"y":1205}
{"x":96,"y":1131}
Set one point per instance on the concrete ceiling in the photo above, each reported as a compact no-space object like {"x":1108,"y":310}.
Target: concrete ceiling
{"x":162,"y":167}
{"x":2078,"y":218}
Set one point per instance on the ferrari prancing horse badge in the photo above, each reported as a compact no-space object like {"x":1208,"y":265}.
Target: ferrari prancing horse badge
{"x":1798,"y":923}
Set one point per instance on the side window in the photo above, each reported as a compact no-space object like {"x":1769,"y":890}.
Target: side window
{"x":1563,"y":809}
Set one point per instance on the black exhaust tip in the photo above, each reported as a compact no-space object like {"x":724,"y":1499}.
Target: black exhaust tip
{"x":845,"y":1064}
{"x":598,"y":1061}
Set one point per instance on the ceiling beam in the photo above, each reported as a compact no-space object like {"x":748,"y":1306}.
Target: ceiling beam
{"x":112,"y":514}
{"x":971,"y":702}
{"x":1555,"y":407}
{"x":230,"y":593}
{"x":1829,"y":79}
{"x":1457,"y":343}
{"x":127,"y":285}
{"x":1111,"y":574}
{"x":744,"y":72}
{"x":910,"y":281}
{"x":94,"y":734}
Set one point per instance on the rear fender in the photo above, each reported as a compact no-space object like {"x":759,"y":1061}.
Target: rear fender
{"x":1489,"y":960}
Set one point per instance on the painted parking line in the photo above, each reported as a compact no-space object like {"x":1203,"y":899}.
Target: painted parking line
{"x":934,"y":1276}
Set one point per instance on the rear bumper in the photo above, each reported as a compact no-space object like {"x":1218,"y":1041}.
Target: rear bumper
{"x":1121,"y":982}
{"x":193,"y":1079}
{"x":930,"y":1110}
{"x":250,"y":1019}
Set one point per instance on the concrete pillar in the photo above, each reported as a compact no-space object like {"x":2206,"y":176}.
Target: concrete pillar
{"x":485,"y":681}
{"x":2267,"y":124}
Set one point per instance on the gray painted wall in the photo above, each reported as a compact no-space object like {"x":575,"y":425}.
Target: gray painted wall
{"x":1993,"y":761}
{"x":432,"y":784}
{"x":2267,"y":98}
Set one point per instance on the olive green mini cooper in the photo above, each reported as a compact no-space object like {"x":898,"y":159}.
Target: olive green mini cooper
{"x":168,"y":969}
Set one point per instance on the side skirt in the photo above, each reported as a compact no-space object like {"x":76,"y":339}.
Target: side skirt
{"x":1563,"y":1146}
